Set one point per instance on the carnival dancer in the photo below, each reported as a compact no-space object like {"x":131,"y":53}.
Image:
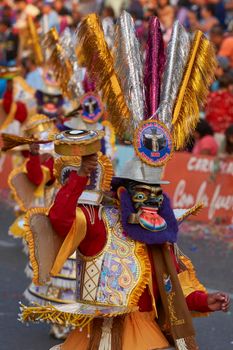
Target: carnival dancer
{"x":33,"y":185}
{"x":135,"y":289}
{"x":89,"y":112}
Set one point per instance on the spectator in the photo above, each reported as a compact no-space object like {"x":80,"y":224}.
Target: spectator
{"x":208,"y":18}
{"x":50,"y":18}
{"x":166,"y":15}
{"x":224,"y":45}
{"x":8,"y":43}
{"x":204,"y":140}
{"x":182,"y":12}
{"x":24,"y":10}
{"x":219,"y":10}
{"x":65,"y":16}
{"x":219,"y":107}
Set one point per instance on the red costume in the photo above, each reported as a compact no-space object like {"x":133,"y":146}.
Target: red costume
{"x":95,"y":239}
{"x":21,"y":110}
{"x":34,"y":170}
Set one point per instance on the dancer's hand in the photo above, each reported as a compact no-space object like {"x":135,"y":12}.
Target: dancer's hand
{"x":218,"y":301}
{"x":88,"y":164}
{"x":34,"y":148}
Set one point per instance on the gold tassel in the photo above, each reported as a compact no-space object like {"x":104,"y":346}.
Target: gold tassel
{"x":11,"y":141}
{"x":199,"y":73}
{"x":94,"y":54}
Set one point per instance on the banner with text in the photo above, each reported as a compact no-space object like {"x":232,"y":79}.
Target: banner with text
{"x":202,"y":179}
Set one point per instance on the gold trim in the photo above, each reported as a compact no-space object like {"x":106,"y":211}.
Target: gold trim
{"x":63,"y":162}
{"x":108,"y":241}
{"x":31,"y":243}
{"x":50,"y":313}
{"x":106,"y":173}
{"x":145,"y":273}
{"x":150,"y":163}
{"x":12,"y":174}
{"x":79,"y":148}
{"x":21,"y":169}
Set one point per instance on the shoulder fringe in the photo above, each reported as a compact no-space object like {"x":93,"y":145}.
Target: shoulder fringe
{"x":145,"y":273}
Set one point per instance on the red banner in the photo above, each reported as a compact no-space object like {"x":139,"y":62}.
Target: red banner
{"x":202,"y":179}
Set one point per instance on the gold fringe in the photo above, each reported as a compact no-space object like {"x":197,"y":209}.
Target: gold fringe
{"x":14,"y":192}
{"x":198,"y":75}
{"x":145,"y":273}
{"x":107,"y":171}
{"x":31,"y":243}
{"x":65,"y":161}
{"x":94,"y":54}
{"x":49,"y":313}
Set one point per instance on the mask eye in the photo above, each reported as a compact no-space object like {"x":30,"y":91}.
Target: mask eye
{"x":139,"y":197}
{"x":160,"y":199}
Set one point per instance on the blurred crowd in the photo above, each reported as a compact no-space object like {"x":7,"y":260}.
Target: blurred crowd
{"x":214,"y":133}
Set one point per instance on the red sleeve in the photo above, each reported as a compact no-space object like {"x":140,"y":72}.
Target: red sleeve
{"x":49,"y":163}
{"x":34,"y":170}
{"x":7,"y":100}
{"x":21,"y":112}
{"x":62,"y":214}
{"x":197,"y":301}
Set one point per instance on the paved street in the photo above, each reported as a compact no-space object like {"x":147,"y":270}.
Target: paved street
{"x":214,"y":262}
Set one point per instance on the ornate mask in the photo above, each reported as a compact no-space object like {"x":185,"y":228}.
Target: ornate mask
{"x":147,"y":199}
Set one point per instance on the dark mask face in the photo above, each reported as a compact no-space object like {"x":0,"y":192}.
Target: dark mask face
{"x":143,"y":195}
{"x":147,"y":199}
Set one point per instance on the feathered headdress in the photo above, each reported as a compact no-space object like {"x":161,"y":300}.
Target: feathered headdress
{"x":161,"y":109}
{"x":61,"y":57}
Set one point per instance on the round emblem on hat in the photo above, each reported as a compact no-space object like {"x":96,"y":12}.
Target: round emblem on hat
{"x":92,"y":108}
{"x":153,"y":142}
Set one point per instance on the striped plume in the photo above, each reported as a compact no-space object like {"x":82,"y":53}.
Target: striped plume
{"x":177,"y":56}
{"x":154,"y":67}
{"x":129,"y":68}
